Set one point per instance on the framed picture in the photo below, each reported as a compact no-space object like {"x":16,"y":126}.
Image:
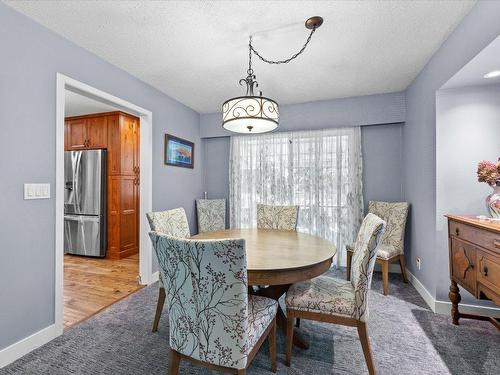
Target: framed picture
{"x":179,"y":152}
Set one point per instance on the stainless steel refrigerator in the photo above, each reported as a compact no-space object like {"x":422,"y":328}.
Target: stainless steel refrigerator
{"x":85,"y":202}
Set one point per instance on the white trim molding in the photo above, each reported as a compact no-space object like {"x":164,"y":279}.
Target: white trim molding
{"x":64,"y":83}
{"x":422,"y":290}
{"x":154,"y":277}
{"x":444,"y":307}
{"x":26,"y":345}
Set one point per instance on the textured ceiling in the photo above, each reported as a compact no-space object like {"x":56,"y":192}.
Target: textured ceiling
{"x":197,"y":51}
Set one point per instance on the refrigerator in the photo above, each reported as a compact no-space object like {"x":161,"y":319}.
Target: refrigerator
{"x":85,"y":202}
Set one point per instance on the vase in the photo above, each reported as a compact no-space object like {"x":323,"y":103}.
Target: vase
{"x":493,"y":202}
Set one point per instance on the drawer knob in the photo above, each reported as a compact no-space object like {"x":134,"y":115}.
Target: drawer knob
{"x":485,"y":271}
{"x":457,"y":231}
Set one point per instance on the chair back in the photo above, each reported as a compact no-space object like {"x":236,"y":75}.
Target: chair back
{"x":206,"y":285}
{"x":277,"y":217}
{"x":363,"y":261}
{"x":394,"y":214}
{"x":171,"y":222}
{"x":211,"y":214}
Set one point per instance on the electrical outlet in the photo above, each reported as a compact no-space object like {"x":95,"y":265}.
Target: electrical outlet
{"x":418,"y":262}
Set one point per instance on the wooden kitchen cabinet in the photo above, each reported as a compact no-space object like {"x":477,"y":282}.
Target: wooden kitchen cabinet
{"x":119,"y":134}
{"x":123,"y":132}
{"x":130,"y":145}
{"x":75,"y":134}
{"x":97,"y":132}
{"x":86,"y":132}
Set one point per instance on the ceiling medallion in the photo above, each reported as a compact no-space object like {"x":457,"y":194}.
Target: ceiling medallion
{"x":257,"y":114}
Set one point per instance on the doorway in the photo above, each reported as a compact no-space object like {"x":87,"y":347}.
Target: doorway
{"x":86,"y":285}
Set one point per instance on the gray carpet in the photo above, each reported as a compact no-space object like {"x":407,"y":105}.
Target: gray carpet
{"x":406,"y":337}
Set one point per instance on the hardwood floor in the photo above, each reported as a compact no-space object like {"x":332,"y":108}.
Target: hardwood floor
{"x":91,"y":284}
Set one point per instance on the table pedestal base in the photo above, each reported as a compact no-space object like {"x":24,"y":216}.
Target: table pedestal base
{"x":275,"y":292}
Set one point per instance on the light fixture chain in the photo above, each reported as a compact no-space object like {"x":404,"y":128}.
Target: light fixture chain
{"x":286,"y":61}
{"x":250,"y":70}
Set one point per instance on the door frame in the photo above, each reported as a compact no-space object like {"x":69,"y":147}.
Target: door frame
{"x":146,"y":275}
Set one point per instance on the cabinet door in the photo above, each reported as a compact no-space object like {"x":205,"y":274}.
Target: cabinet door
{"x":463,"y":261}
{"x":137,"y":146}
{"x":114,"y":163}
{"x":114,"y":208}
{"x":128,"y":142}
{"x":97,"y":132}
{"x":76,"y":134}
{"x":128,"y":216}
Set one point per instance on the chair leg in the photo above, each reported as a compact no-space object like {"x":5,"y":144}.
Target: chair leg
{"x":289,"y":340}
{"x":402,"y":264}
{"x":349,"y":258}
{"x":365,"y":344}
{"x":297,"y":322}
{"x":159,"y":308}
{"x":272,"y":346}
{"x":175,"y":361}
{"x":385,"y":276}
{"x":242,"y":371}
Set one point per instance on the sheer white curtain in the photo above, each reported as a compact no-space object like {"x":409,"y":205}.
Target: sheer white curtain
{"x":321,"y":171}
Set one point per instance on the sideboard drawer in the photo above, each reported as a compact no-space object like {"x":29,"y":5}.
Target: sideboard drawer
{"x":481,"y":237}
{"x":488,"y":271}
{"x":463,"y":260}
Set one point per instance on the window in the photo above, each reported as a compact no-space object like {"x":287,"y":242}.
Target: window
{"x":318,"y":170}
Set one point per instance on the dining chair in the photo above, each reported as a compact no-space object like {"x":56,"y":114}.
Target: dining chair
{"x":391,"y":248}
{"x":172,"y":223}
{"x":211,"y":214}
{"x":277,"y":217}
{"x":213,"y":321}
{"x":332,"y":300}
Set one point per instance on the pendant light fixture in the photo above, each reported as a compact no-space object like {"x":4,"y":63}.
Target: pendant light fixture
{"x":258,"y":114}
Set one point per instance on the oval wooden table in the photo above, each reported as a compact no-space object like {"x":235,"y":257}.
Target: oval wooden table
{"x":277,"y":259}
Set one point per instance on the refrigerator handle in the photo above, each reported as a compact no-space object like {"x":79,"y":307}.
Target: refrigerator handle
{"x":76,"y":181}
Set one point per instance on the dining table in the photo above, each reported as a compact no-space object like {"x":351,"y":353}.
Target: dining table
{"x":277,"y":259}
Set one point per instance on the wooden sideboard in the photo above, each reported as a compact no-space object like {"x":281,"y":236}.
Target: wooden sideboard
{"x":118,"y":132}
{"x":474,"y":251}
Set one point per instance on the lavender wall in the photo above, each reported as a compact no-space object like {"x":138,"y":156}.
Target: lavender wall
{"x":31,"y":56}
{"x":467,"y":131}
{"x":381,"y":144}
{"x":475,"y":32}
{"x":359,"y":110}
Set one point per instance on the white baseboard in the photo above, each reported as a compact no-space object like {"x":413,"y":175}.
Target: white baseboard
{"x":37,"y":339}
{"x":444,"y":307}
{"x":26,"y":345}
{"x":424,"y":293}
{"x":154,"y":277}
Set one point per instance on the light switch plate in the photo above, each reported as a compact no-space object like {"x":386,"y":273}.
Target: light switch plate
{"x":36,"y":191}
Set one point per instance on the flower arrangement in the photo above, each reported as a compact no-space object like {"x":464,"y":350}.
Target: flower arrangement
{"x":489,"y":172}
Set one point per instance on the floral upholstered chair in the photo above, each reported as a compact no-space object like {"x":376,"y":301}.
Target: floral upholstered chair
{"x":172,"y":223}
{"x":277,"y":217}
{"x":211,"y":214}
{"x":338,"y":301}
{"x":391,"y":247}
{"x":213,"y":321}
